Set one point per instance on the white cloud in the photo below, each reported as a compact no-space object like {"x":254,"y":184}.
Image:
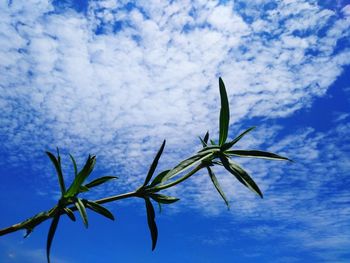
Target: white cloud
{"x":118,"y":93}
{"x":306,"y":203}
{"x":346,"y":10}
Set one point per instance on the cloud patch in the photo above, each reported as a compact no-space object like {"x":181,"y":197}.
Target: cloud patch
{"x":117,"y":78}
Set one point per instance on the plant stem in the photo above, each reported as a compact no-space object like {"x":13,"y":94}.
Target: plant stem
{"x":116,"y":197}
{"x":32,"y":222}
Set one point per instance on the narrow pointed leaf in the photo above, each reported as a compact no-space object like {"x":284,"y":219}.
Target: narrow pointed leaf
{"x":163,"y":199}
{"x":80,"y":178}
{"x":186,"y":164}
{"x":81,"y":208}
{"x":241,"y":175}
{"x":217,"y":186}
{"x":246,"y":177}
{"x":206,"y":137}
{"x":206,"y":148}
{"x":51,"y":234}
{"x":69,"y":213}
{"x":226,"y":163}
{"x":212,"y":142}
{"x":151,"y":222}
{"x":74,"y":165}
{"x":100,"y":180}
{"x":202,"y":141}
{"x":228,"y":145}
{"x":154,"y":164}
{"x":159,"y":178}
{"x":99,"y":209}
{"x":257,"y":154}
{"x":58,"y":168}
{"x":224,"y":113}
{"x":83,"y":189}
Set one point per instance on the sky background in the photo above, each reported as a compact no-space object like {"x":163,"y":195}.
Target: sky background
{"x":115,"y":78}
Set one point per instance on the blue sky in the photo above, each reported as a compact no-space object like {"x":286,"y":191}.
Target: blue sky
{"x":114,"y":78}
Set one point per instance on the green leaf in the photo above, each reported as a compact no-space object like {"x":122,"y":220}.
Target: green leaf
{"x":51,"y":234}
{"x":240,"y":174}
{"x":74,"y":165}
{"x":154,"y":164}
{"x":206,"y":148}
{"x":202,"y":141}
{"x":151,"y":222}
{"x":83,"y":189}
{"x":206,"y":137}
{"x":217,"y":186}
{"x":257,"y":154}
{"x":159,"y":178}
{"x":224,"y":114}
{"x":80,"y":178}
{"x":212,"y":142}
{"x":228,"y":145}
{"x":57,"y":164}
{"x":186,"y":164}
{"x":205,"y":140}
{"x":163,"y":199}
{"x":100,"y":180}
{"x":69,"y":213}
{"x":81,"y":208}
{"x":99,"y":209}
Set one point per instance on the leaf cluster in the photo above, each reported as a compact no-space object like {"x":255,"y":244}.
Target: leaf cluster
{"x":211,"y":154}
{"x":70,"y":199}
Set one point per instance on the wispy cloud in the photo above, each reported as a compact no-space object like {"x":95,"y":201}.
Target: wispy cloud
{"x":117,"y":79}
{"x":306,"y":203}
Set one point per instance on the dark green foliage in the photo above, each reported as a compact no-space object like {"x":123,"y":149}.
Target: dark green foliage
{"x":99,"y":181}
{"x":151,"y":222}
{"x":69,"y":197}
{"x":209,"y":156}
{"x":51,"y":234}
{"x":159,"y":178}
{"x":82,"y":211}
{"x":57,"y":164}
{"x":257,"y":154}
{"x":224,"y":114}
{"x":217,"y":185}
{"x":163,"y":199}
{"x":228,"y":145}
{"x":154,"y":164}
{"x":240,"y":174}
{"x":74,"y":189}
{"x":99,"y":209}
{"x":69,"y":213}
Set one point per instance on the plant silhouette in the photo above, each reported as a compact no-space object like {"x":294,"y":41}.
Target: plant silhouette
{"x":211,"y":154}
